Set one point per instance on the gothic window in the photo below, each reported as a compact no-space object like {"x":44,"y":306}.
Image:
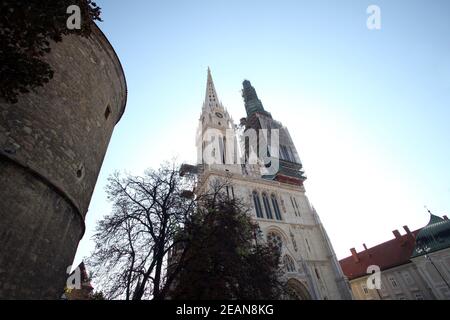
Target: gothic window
{"x":267,"y":206}
{"x":393,"y":282}
{"x":222,"y":150}
{"x":317,"y":273}
{"x":275,"y":240}
{"x":293,"y":206}
{"x":364,"y":287}
{"x":409,"y":280}
{"x":307,"y":244}
{"x":296,"y":205}
{"x":288,"y":263}
{"x":294,"y":243}
{"x":257,"y":203}
{"x":276,"y":208}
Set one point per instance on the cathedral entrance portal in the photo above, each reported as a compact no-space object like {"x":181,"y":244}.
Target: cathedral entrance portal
{"x":296,"y":290}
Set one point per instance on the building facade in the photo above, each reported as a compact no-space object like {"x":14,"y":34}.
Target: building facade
{"x":413,"y":266}
{"x":260,"y":160}
{"x":52,"y":145}
{"x":431,"y":256}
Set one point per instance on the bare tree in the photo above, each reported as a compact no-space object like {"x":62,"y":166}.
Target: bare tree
{"x":133,"y":242}
{"x":161,"y":242}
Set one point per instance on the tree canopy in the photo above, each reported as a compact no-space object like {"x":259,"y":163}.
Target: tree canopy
{"x":161,"y":242}
{"x":225,"y":257}
{"x":27,"y":29}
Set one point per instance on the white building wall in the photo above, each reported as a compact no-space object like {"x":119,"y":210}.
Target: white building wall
{"x":399,"y":283}
{"x":435,"y":270}
{"x":302,"y":237}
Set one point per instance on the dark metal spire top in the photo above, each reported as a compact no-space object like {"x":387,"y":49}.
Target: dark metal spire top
{"x":252,"y":103}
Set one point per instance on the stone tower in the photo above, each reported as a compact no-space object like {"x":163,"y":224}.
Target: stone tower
{"x":52,"y":145}
{"x":273,"y":187}
{"x":216,"y":136}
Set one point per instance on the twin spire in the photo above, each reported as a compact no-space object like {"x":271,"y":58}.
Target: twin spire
{"x":211,"y":98}
{"x":252,"y":103}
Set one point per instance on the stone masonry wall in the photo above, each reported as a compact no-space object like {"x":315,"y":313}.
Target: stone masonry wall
{"x":52,"y":145}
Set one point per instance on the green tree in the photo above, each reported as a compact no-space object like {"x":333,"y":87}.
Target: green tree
{"x":27,"y":29}
{"x":224,"y":256}
{"x":97,"y":295}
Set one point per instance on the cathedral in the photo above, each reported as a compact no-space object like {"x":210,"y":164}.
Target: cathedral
{"x":261,"y":162}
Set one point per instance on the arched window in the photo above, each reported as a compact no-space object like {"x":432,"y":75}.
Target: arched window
{"x":257,"y":203}
{"x":275,"y":240}
{"x":276,"y":208}
{"x":293,"y":206}
{"x":267,"y":206}
{"x":296,"y":205}
{"x":222,"y":149}
{"x":288,"y":263}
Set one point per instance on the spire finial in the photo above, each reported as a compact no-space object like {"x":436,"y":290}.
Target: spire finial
{"x":433,"y":218}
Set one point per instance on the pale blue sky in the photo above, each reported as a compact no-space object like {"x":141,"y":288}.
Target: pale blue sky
{"x":368,"y":110}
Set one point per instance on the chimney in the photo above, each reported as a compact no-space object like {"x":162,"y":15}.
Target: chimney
{"x":408,"y":232}
{"x":445,"y":217}
{"x":365,"y":247}
{"x":398,"y":236}
{"x":354,"y":255}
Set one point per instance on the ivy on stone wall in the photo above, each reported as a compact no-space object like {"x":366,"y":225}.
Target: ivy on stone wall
{"x":27,"y":29}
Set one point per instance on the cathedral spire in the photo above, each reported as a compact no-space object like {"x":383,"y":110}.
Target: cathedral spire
{"x":211,"y":98}
{"x":252,"y":103}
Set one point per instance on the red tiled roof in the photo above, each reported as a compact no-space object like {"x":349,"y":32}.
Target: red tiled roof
{"x":386,"y":255}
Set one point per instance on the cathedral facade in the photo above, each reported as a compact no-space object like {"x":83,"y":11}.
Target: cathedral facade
{"x":260,"y":160}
